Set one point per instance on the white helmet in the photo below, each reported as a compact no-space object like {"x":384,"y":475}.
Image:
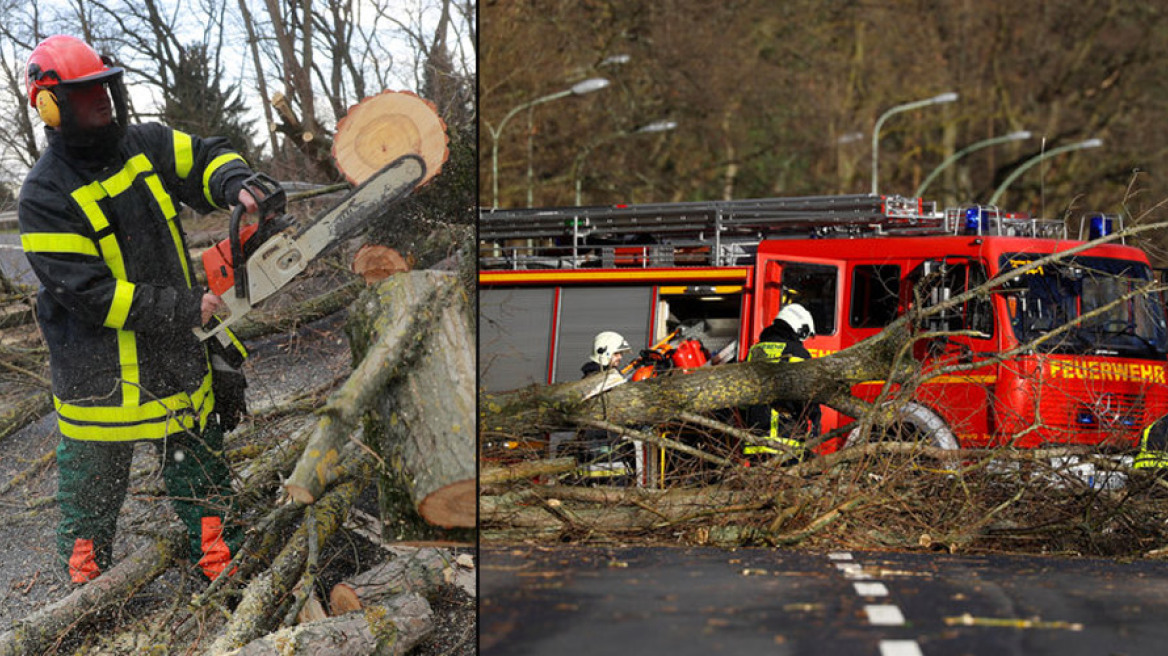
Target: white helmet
{"x":605,"y":345}
{"x":798,"y":318}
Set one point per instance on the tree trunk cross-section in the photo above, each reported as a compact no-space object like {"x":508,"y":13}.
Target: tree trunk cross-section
{"x":380,"y":129}
{"x":423,"y":572}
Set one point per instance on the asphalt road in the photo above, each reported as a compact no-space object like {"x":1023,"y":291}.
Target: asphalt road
{"x":681,"y":602}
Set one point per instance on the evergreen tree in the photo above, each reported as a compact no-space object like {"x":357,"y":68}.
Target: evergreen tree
{"x":199,"y":103}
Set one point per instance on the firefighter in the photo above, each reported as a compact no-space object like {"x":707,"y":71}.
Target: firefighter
{"x":1153,"y":453}
{"x":604,"y":455}
{"x":118,"y":302}
{"x":608,"y":349}
{"x":786,"y":423}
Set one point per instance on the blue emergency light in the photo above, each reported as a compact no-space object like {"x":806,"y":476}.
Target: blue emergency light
{"x":1101,"y":226}
{"x":973,"y":223}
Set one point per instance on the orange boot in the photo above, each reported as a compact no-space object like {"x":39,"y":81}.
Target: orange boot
{"x":216,"y":554}
{"x":83,"y":563}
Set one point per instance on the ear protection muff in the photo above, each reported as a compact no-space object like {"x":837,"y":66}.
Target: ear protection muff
{"x":46,"y":104}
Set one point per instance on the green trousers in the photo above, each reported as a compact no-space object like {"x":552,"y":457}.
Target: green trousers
{"x":94,"y":476}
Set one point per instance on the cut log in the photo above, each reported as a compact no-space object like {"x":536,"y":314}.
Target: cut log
{"x":375,"y":263}
{"x":380,"y":129}
{"x":427,"y":415}
{"x":418,"y":372}
{"x":391,"y":629}
{"x":423,"y":572}
{"x":36,"y":633}
{"x":392,"y":334}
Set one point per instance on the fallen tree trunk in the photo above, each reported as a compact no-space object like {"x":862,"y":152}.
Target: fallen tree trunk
{"x":423,"y":572}
{"x":269,"y":322}
{"x":491,"y":475}
{"x":428,"y":417}
{"x":418,"y":358}
{"x":392,"y":629}
{"x":36,"y":633}
{"x":24,"y":410}
{"x":827,"y":380}
{"x":394,"y":333}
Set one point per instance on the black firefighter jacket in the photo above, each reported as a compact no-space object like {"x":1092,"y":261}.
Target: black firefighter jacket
{"x":118,"y":296}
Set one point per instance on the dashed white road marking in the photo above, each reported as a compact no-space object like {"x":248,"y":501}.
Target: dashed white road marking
{"x":884,"y":615}
{"x":852,"y":570}
{"x":878,"y":614}
{"x":900,"y":648}
{"x":870,"y":589}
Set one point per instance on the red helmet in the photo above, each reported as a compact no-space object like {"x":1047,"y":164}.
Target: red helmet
{"x":64,"y":60}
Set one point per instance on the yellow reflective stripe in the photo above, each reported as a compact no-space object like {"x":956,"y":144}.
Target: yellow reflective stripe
{"x":128,"y":360}
{"x":87,"y":198}
{"x":119,"y":182}
{"x":758,"y":449}
{"x":153,"y":410}
{"x":120,"y":305}
{"x":57,"y":242}
{"x":184,"y":156}
{"x":144,"y":431}
{"x":160,"y":195}
{"x":769,"y":351}
{"x":238,"y":344}
{"x":167,"y":205}
{"x":210,"y":170}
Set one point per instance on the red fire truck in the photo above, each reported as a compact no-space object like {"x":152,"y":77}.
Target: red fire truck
{"x":551,"y":278}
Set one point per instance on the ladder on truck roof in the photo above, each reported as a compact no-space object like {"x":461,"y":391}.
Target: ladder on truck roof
{"x":706,"y":233}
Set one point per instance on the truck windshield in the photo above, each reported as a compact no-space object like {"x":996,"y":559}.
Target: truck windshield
{"x":1116,"y":320}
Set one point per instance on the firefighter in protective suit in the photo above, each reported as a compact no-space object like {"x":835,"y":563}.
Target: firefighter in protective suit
{"x":118,"y":302}
{"x":604,"y":454}
{"x":786,"y":424}
{"x":1153,"y":453}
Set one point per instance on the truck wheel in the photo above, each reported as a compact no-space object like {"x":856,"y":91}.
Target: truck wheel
{"x":914,"y":422}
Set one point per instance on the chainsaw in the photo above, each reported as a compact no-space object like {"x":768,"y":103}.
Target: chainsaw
{"x":257,"y":260}
{"x":273,"y":251}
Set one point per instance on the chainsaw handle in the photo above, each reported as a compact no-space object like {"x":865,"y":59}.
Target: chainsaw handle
{"x":270,"y":197}
{"x":237,"y":263}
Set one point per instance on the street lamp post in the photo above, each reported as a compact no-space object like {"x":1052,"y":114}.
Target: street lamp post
{"x":935,"y":100}
{"x":1013,"y":136}
{"x":578,"y":89}
{"x":1090,"y":143}
{"x":578,"y":167}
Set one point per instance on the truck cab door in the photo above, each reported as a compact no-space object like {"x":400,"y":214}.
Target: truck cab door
{"x":964,"y":398}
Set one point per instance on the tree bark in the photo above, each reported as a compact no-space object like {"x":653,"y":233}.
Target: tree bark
{"x":418,"y":363}
{"x":20,"y":412}
{"x":826,"y":380}
{"x":426,"y":414}
{"x":390,"y":629}
{"x":256,"y":613}
{"x":491,"y":475}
